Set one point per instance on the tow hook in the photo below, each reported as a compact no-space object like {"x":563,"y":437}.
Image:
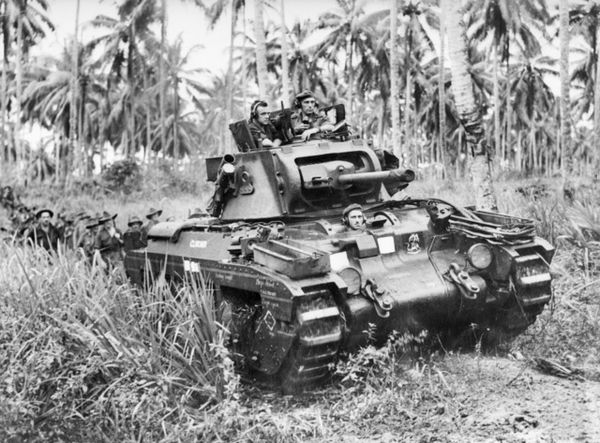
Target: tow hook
{"x":467,"y":287}
{"x":380,"y":298}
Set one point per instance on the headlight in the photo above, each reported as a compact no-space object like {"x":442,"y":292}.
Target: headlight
{"x":480,"y":256}
{"x":352,"y":278}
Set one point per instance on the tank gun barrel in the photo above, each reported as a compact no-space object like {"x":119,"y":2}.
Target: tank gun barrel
{"x":394,"y":175}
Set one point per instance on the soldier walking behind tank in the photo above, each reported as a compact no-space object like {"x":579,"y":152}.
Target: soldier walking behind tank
{"x":108,"y":240}
{"x":45,"y":233}
{"x":132,"y":238}
{"x":80,"y":222}
{"x":22,"y":221}
{"x":87,"y":238}
{"x":7,"y":197}
{"x":153,"y":216}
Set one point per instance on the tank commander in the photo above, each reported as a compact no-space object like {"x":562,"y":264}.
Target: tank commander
{"x":307,"y":121}
{"x":353,"y":218}
{"x":262,"y":130}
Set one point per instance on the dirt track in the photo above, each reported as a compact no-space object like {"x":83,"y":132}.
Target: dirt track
{"x":493,"y":400}
{"x":508,"y":400}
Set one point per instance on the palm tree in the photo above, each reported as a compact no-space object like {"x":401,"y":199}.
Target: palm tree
{"x":213,"y":104}
{"x":183,"y":83}
{"x":468,"y":111}
{"x":585,"y":20}
{"x":132,"y":27}
{"x":373,"y":79}
{"x":304,"y":70}
{"x":504,"y":20}
{"x":416,"y":37}
{"x":348,"y":27}
{"x":48,"y":99}
{"x":214,"y":13}
{"x":31,"y":22}
{"x":533,"y":100}
{"x":261,"y":50}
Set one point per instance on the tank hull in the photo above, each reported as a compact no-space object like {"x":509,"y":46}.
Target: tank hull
{"x":395,"y":275}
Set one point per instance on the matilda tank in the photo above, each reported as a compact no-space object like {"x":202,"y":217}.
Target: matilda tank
{"x":301,"y":287}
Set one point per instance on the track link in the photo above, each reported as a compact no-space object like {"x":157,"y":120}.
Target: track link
{"x":314,"y":352}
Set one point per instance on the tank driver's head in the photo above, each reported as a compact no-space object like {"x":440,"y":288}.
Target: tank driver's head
{"x":353,"y":217}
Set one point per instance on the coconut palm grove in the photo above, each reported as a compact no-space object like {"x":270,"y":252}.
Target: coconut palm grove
{"x":491,"y":106}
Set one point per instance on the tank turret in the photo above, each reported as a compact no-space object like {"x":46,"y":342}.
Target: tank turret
{"x":315,"y":179}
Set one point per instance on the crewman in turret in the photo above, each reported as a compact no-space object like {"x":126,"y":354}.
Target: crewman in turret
{"x":307,"y":120}
{"x":263,"y":132}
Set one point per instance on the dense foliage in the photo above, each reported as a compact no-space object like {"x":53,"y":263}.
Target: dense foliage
{"x":130,"y":89}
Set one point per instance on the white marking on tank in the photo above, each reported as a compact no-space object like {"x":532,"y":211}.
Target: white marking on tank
{"x":198,"y":243}
{"x":269,"y":320}
{"x":339,"y":261}
{"x":386,"y":245}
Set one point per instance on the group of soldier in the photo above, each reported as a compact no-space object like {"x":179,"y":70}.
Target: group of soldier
{"x":95,"y":235}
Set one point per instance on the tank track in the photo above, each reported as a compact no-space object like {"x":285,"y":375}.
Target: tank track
{"x":314,"y":352}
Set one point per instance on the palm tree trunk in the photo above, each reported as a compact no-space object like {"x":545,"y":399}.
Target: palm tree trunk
{"x":534,"y":150}
{"x":564,"y":87}
{"x":407,"y":92}
{"x":3,"y":91}
{"x":244,"y":77}
{"x":596,"y":156}
{"x":175,"y":118}
{"x":19,"y":79}
{"x":74,"y":93}
{"x":395,"y":81}
{"x":285,"y":63}
{"x":147,"y":111}
{"x":508,"y":112}
{"x":499,"y":148}
{"x":442,"y":94}
{"x":349,"y":77}
{"x":130,"y":77}
{"x":468,"y":111}
{"x":57,"y":146}
{"x":261,"y":50}
{"x":381,"y":122}
{"x":161,"y":73}
{"x":229,"y":91}
{"x":518,"y":152}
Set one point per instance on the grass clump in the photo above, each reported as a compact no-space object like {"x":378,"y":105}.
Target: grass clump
{"x":83,"y":355}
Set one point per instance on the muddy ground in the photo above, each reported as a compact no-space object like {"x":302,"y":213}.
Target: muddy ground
{"x":464,"y":398}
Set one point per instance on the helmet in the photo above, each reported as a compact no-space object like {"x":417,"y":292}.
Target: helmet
{"x":301,"y":96}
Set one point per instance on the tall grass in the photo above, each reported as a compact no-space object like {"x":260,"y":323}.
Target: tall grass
{"x":86,"y":357}
{"x":83,"y":353}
